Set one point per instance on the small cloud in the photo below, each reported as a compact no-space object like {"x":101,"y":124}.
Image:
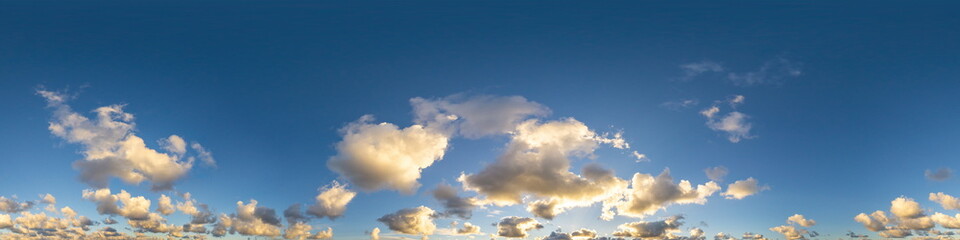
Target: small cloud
{"x":640,"y":157}
{"x":939,"y":175}
{"x":680,"y":104}
{"x":716,"y":173}
{"x":772,"y":72}
{"x":734,"y":123}
{"x":692,"y":70}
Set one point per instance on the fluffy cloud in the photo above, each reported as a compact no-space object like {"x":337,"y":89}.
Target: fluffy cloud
{"x":415,"y":221}
{"x":130,"y":207}
{"x":800,"y":220}
{"x":375,"y":234}
{"x":716,"y":173}
{"x":111,"y":149}
{"x":648,"y":194}
{"x":250,"y":220}
{"x":656,"y":229}
{"x":907,"y":217}
{"x":744,"y":188}
{"x":584,"y":233}
{"x":792,"y":232}
{"x":516,"y":227}
{"x":453,"y":204}
{"x":383,"y":156}
{"x":946,"y":201}
{"x":301,"y":231}
{"x":200,"y":213}
{"x":476,"y":116}
{"x":468,"y":228}
{"x":734,"y":124}
{"x":537,"y":162}
{"x":165,"y":205}
{"x":332,"y":201}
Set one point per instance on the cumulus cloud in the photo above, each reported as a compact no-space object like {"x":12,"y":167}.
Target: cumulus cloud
{"x":111,"y":149}
{"x":200,"y":213}
{"x":250,"y":220}
{"x":516,"y":227}
{"x":800,"y":220}
{"x":165,"y":205}
{"x":656,"y":229}
{"x":414,"y":221}
{"x":129,"y":207}
{"x":468,"y":228}
{"x":452,"y":203}
{"x":332,"y":201}
{"x":476,"y":116}
{"x":941,"y":174}
{"x":301,"y":231}
{"x":384,"y":156}
{"x":946,"y":201}
{"x":734,"y":123}
{"x":537,"y":162}
{"x":793,"y":232}
{"x":744,"y":188}
{"x":907,"y":217}
{"x":375,"y":234}
{"x":716,"y":173}
{"x":584,"y":233}
{"x":648,"y":194}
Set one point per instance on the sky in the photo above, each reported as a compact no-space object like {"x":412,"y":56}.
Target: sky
{"x":681,"y":120}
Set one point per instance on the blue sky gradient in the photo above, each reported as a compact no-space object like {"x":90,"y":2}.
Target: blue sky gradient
{"x":851,"y":102}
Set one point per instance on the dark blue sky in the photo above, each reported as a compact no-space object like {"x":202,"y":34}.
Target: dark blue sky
{"x":266,"y":85}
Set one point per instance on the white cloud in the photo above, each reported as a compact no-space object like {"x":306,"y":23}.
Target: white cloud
{"x":253,"y":220}
{"x":165,"y":205}
{"x":744,"y":188}
{"x":111,"y":149}
{"x":414,"y":221}
{"x":332,"y":201}
{"x":946,"y":201}
{"x":734,"y":123}
{"x":383,"y":156}
{"x":800,"y":220}
{"x":130,"y":207}
{"x":907,"y":217}
{"x":468,"y":228}
{"x":648,"y":194}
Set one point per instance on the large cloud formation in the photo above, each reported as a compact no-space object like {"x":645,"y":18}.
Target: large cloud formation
{"x":111,"y":149}
{"x":537,"y":163}
{"x":907,"y":217}
{"x":649,"y":194}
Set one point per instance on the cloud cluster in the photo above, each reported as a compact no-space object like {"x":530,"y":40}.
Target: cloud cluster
{"x":792,"y":232}
{"x":111,"y":149}
{"x":906,"y":217}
